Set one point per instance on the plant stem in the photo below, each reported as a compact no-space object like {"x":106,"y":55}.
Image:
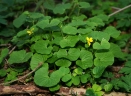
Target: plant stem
{"x":119,"y":10}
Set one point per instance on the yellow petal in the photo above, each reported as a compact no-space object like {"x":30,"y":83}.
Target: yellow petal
{"x":91,"y":40}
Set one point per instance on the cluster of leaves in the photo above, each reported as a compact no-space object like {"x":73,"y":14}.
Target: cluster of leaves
{"x":122,"y":20}
{"x":57,"y":37}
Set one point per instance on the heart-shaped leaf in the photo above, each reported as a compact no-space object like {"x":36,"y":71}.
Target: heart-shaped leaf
{"x":69,"y":30}
{"x":41,"y":47}
{"x":112,"y":31}
{"x":66,"y":77}
{"x":36,"y":59}
{"x":104,"y":59}
{"x":104,"y":45}
{"x":86,"y":59}
{"x":19,"y":56}
{"x":98,"y":35}
{"x":60,"y":8}
{"x":96,"y":87}
{"x":73,"y":54}
{"x":62,"y":53}
{"x":69,"y":41}
{"x":42,"y":78}
{"x":116,"y":50}
{"x":98,"y":70}
{"x":76,"y":80}
{"x":84,"y":78}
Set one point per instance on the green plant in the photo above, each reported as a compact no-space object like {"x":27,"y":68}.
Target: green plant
{"x":94,"y":91}
{"x":74,"y":49}
{"x":64,"y":45}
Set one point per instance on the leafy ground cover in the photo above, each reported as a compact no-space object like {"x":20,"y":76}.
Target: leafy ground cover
{"x":71,"y":43}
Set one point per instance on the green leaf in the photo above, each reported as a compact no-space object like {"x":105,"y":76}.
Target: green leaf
{"x":62,"y":53}
{"x":57,"y":40}
{"x":69,"y":83}
{"x":73,"y":54}
{"x":22,"y":33}
{"x":19,"y":56}
{"x":35,"y":15}
{"x":108,"y":87}
{"x":78,"y":71}
{"x":43,"y":23}
{"x":76,"y":23}
{"x":66,"y":77}
{"x":7,"y":32}
{"x":112,"y":31}
{"x":84,"y":78}
{"x":90,"y":92}
{"x":3,"y":54}
{"x":98,"y":70}
{"x":60,"y":8}
{"x":54,"y":88}
{"x":63,"y":62}
{"x":126,"y":84}
{"x":53,"y":58}
{"x":84,"y":31}
{"x":96,"y":87}
{"x":41,"y":77}
{"x":104,"y":45}
{"x":86,"y":59}
{"x":2,"y":72}
{"x":35,"y":60}
{"x":126,"y":69}
{"x":103,"y":17}
{"x":19,"y":20}
{"x":98,"y":35}
{"x":50,"y":4}
{"x":97,"y":21}
{"x":69,"y":30}
{"x":76,"y":80}
{"x":84,"y":5}
{"x":69,"y":41}
{"x":104,"y":59}
{"x":12,"y":75}
{"x":42,"y":47}
{"x":3,"y":21}
{"x":54,"y":22}
{"x":116,"y":50}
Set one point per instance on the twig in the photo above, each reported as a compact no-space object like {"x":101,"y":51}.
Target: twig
{"x":119,"y":10}
{"x":2,"y":45}
{"x":39,"y":65}
{"x":12,"y":49}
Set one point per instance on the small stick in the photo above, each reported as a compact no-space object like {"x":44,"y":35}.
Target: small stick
{"x":119,"y":10}
{"x":39,"y":65}
{"x":2,"y":45}
{"x":12,"y":49}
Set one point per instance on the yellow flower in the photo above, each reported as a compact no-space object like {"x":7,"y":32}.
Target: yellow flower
{"x":89,"y":40}
{"x":30,"y":31}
